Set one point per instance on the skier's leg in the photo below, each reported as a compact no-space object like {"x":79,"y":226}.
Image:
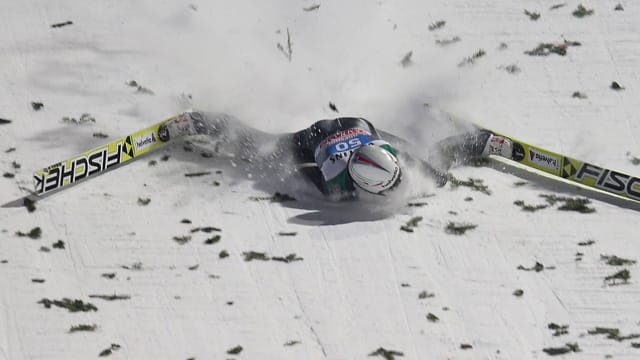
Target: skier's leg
{"x":466,"y":147}
{"x":462,"y":149}
{"x":230,"y":134}
{"x":198,"y":123}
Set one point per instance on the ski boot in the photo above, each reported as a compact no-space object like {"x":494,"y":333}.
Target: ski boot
{"x":192,"y":123}
{"x":498,"y":145}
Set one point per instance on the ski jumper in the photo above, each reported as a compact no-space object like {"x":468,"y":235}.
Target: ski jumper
{"x":321,"y":152}
{"x":328,"y":145}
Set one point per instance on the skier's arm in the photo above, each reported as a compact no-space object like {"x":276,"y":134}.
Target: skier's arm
{"x":312,"y":173}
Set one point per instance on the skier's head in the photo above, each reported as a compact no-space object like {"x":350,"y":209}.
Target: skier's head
{"x":374,"y":169}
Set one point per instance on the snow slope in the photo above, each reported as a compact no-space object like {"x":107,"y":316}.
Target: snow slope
{"x":358,"y":287}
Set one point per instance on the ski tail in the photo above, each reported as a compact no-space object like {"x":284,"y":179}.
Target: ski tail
{"x":100,"y":159}
{"x":574,"y":170}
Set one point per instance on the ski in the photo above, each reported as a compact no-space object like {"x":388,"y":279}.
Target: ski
{"x":577,"y":171}
{"x":96,"y":161}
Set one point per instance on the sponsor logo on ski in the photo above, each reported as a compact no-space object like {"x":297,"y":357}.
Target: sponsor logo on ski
{"x":145,"y":140}
{"x":544,"y":160}
{"x":66,"y":173}
{"x":609,"y":180}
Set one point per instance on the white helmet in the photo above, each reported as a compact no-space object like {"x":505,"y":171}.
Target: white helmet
{"x":374,"y":169}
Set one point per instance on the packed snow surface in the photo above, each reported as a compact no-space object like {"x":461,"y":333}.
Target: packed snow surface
{"x":139,"y":243}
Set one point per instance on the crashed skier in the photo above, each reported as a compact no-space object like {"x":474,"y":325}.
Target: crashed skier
{"x":342,"y":156}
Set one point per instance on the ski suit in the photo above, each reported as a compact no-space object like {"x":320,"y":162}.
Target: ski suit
{"x":328,"y":144}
